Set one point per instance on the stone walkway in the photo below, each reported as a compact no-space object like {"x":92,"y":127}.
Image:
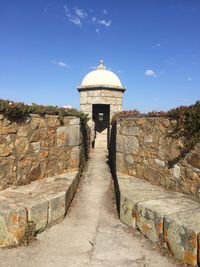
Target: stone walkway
{"x":91,"y":234}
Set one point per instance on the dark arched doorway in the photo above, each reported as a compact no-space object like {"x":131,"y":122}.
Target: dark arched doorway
{"x":101,"y":116}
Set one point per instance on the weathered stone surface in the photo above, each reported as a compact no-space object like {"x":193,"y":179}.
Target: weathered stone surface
{"x":150,"y":214}
{"x":181,"y":233}
{"x":55,"y":192}
{"x":23,"y":131}
{"x":74,"y":159}
{"x":148,"y":139}
{"x":74,"y":121}
{"x":154,"y":154}
{"x":127,"y":144}
{"x":35,"y":173}
{"x":110,"y":93}
{"x":57,"y":208}
{"x":52,"y":121}
{"x":38,"y":147}
{"x":12,"y":223}
{"x":39,"y":135}
{"x":74,"y":135}
{"x":160,"y":163}
{"x":133,"y":191}
{"x":43,"y":202}
{"x":21,"y":145}
{"x":194,"y":160}
{"x":120,"y":163}
{"x":68,"y":135}
{"x":36,"y":207}
{"x":130,"y":130}
{"x":5,"y":150}
{"x":35,"y":146}
{"x":176,"y":171}
{"x":8,"y":129}
{"x":37,"y":122}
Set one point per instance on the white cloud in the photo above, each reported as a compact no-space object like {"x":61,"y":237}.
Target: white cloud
{"x":97,"y":30}
{"x":72,"y":18}
{"x":67,"y":106}
{"x":189,"y":78}
{"x":60,"y":64}
{"x":79,"y":16}
{"x":104,"y":22}
{"x":150,"y":73}
{"x":157,"y":45}
{"x":67,"y":12}
{"x":94,"y":19}
{"x":80,"y":13}
{"x":76,"y":21}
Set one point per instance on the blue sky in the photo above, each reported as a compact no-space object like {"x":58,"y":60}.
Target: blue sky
{"x":48,"y":46}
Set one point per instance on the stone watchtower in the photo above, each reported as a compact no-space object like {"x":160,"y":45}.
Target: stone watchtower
{"x":101,"y":96}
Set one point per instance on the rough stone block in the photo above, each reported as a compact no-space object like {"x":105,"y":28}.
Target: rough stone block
{"x":132,"y":191}
{"x":12,"y":223}
{"x":54,"y":190}
{"x":111,"y":93}
{"x":74,"y":135}
{"x":38,"y":135}
{"x":130,"y":130}
{"x":5,"y":150}
{"x":68,"y":135}
{"x":181,"y":233}
{"x":93,"y":93}
{"x":57,"y":206}
{"x":83,"y":100}
{"x":127,"y":144}
{"x":63,"y":136}
{"x":37,"y":122}
{"x":115,"y":108}
{"x":36,"y":207}
{"x":35,"y":147}
{"x":52,"y":121}
{"x":86,"y":108}
{"x":74,"y":120}
{"x":74,"y":159}
{"x":150,"y":214}
{"x":43,"y":202}
{"x":120,"y":163}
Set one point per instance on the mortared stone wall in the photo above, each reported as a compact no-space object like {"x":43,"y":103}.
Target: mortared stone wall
{"x":39,"y":147}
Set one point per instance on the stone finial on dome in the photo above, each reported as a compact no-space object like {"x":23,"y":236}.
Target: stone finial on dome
{"x":101,"y":65}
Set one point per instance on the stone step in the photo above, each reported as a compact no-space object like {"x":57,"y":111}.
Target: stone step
{"x":101,"y":138}
{"x":101,"y":144}
{"x":44,"y":202}
{"x":168,"y":218}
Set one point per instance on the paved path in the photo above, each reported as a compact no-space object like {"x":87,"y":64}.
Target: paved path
{"x":91,"y":234}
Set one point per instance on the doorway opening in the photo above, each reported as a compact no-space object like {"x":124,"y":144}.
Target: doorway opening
{"x":101,"y":116}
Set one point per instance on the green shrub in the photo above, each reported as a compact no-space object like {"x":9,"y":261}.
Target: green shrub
{"x":19,"y":111}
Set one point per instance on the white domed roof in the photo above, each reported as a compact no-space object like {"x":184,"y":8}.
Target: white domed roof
{"x":101,"y":78}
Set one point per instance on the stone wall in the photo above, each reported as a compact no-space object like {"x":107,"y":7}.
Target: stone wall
{"x":39,"y":147}
{"x":146,"y":149}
